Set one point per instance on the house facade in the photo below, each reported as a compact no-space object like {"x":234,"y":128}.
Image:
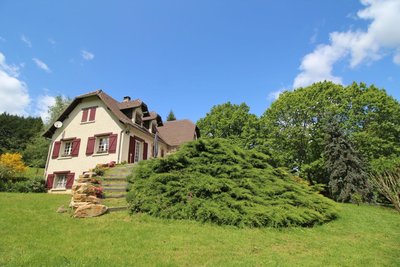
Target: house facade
{"x":97,"y":129}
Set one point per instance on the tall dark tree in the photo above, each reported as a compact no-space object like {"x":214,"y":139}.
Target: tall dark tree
{"x":346,"y":169}
{"x":171,"y":116}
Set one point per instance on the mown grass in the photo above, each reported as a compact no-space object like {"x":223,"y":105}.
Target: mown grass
{"x":33,"y":234}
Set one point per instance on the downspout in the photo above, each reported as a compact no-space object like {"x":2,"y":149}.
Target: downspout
{"x":48,"y":158}
{"x":119,"y":146}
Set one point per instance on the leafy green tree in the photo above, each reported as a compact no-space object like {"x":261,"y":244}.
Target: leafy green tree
{"x":233,"y":122}
{"x":171,"y":116}
{"x":35,"y":153}
{"x":17,"y":131}
{"x":293,"y":128}
{"x":347,"y":178}
{"x":61,"y":103}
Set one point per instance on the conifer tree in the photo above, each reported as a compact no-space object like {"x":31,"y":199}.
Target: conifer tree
{"x":171,"y":116}
{"x":347,"y":177}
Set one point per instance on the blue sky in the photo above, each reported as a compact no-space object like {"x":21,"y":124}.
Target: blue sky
{"x":190,"y":55}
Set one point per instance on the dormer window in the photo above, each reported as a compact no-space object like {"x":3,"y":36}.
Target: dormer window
{"x":153,"y":127}
{"x":138,"y":117}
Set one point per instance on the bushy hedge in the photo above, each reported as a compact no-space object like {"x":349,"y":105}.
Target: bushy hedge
{"x":214,"y":181}
{"x":23,"y":185}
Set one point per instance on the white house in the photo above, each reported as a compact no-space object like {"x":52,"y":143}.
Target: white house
{"x":97,"y":129}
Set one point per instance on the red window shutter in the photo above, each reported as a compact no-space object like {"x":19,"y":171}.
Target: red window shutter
{"x":70,"y":180}
{"x":84,"y":115}
{"x":113,"y":143}
{"x":90,"y":145}
{"x":56,"y":149}
{"x":145,"y":148}
{"x":92,"y":115}
{"x":75,"y":147}
{"x":50,"y":180}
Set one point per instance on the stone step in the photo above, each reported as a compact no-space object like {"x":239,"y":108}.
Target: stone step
{"x":109,"y":185}
{"x":113,"y":209}
{"x":115,"y":189}
{"x":114,"y":179}
{"x":118,"y":175}
{"x":114,"y":202}
{"x":108,"y":196}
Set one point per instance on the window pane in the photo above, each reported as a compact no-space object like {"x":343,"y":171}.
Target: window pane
{"x":67,"y":148}
{"x":61,"y":181}
{"x":103,"y":144}
{"x":137,"y":151}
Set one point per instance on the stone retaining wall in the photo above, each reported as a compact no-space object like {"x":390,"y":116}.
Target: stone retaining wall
{"x":85,"y":201}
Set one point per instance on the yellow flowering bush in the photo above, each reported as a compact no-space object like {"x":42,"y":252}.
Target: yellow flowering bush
{"x":12,"y":162}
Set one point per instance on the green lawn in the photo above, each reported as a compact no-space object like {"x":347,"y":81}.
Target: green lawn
{"x":33,"y":234}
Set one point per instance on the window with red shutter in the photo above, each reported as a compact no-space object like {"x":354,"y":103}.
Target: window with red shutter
{"x":70,"y":180}
{"x":76,"y":143}
{"x":92,"y":115}
{"x":90,"y":145}
{"x":50,"y":181}
{"x":113,"y":143}
{"x":145,"y":148}
{"x":84,"y":115}
{"x":56,"y":149}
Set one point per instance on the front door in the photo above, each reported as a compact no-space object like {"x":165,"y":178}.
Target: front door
{"x":138,"y":147}
{"x":131,"y":154}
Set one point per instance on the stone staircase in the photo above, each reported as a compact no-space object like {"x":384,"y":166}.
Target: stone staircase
{"x":114,"y":183}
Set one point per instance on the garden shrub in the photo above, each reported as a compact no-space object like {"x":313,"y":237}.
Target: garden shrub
{"x":218,"y":182}
{"x":13,"y":162}
{"x":24,"y":185}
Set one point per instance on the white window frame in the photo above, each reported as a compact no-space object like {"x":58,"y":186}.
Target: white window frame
{"x":137,"y":156}
{"x":153,"y":127}
{"x":67,"y":148}
{"x":102,"y":147}
{"x":60,"y":181}
{"x":140,"y":113}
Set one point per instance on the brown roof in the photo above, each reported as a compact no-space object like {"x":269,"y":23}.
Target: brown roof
{"x":178,"y":132}
{"x":110,"y":102}
{"x":130,"y":104}
{"x":174,"y":133}
{"x":154,"y":116}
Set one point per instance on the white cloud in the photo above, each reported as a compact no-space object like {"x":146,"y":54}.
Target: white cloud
{"x":313,"y":38}
{"x":14,"y":97}
{"x":275,"y":94}
{"x":41,"y":65}
{"x":26,"y":40}
{"x":396,"y":58}
{"x":2,"y":39}
{"x":86,"y":55}
{"x":43,"y":103}
{"x":11,"y":70}
{"x":381,"y":38}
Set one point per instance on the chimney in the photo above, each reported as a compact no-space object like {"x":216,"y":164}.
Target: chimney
{"x":127,"y":98}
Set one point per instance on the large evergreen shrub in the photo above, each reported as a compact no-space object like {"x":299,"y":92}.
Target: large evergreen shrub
{"x":215,"y":181}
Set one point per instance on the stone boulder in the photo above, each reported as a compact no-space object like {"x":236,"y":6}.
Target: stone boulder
{"x":84,"y":188}
{"x":90,"y":210}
